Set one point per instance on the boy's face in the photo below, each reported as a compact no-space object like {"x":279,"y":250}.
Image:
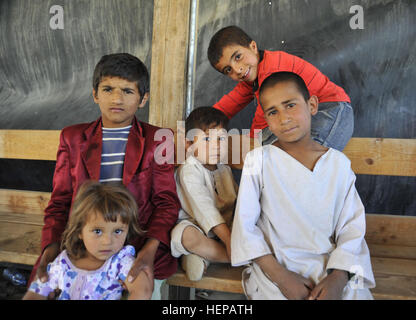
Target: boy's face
{"x":119,"y":100}
{"x":287,"y":113}
{"x":239,"y":63}
{"x":210,"y":147}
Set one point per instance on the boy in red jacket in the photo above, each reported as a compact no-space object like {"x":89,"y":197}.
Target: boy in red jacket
{"x":232,"y":52}
{"x":117,"y":148}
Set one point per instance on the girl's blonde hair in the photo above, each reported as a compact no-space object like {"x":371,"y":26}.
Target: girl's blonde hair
{"x":110,"y":201}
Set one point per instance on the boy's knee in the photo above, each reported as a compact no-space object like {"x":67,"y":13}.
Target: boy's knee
{"x":191,"y":238}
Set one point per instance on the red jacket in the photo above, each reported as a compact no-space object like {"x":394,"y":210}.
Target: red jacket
{"x":152,"y":185}
{"x":276,"y":61}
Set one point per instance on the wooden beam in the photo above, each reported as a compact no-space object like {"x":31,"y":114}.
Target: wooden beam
{"x":391,"y":230}
{"x":169,"y":62}
{"x":27,"y":202}
{"x":29,"y":144}
{"x":378,"y":156}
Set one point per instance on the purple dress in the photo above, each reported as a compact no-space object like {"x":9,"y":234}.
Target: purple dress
{"x":78,"y":284}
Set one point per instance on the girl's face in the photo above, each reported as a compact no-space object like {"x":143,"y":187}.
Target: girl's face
{"x":103,"y":238}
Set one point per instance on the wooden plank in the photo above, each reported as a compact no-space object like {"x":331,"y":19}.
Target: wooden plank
{"x":386,"y":251}
{"x":394,"y":287}
{"x":391,"y":230}
{"x":378,"y":156}
{"x":21,"y":218}
{"x":169,"y":61}
{"x":399,"y":267}
{"x":29,"y":202}
{"x":20,"y":258}
{"x":29,"y":144}
{"x":219,"y":277}
{"x":19,"y":242}
{"x":368,"y":155}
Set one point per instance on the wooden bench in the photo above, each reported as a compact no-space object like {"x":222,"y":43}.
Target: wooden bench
{"x":391,"y":239}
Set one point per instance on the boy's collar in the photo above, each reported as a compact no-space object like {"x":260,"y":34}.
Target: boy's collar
{"x":256,"y":82}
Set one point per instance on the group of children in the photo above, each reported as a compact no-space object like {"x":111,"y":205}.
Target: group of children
{"x":118,"y":220}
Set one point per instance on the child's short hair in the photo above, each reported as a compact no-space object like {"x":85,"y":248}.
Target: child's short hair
{"x":125,"y":66}
{"x":278,"y":77}
{"x":108,"y":200}
{"x":205,"y":118}
{"x":231,"y":35}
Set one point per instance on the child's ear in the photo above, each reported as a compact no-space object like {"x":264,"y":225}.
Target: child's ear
{"x":313,"y":103}
{"x":253,"y":46}
{"x":144,"y":100}
{"x":94,"y":96}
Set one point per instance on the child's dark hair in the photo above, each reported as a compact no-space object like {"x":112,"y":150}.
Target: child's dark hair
{"x":279,"y":77}
{"x":125,"y":66}
{"x":110,"y":201}
{"x":231,"y":35}
{"x":205,"y":118}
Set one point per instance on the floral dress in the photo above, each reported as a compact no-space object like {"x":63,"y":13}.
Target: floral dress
{"x":78,"y":284}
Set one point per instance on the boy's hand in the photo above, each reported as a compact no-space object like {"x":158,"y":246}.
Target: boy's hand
{"x":331,"y":287}
{"x":144,"y":261}
{"x":295,"y":287}
{"x":49,"y":254}
{"x":292,"y":285}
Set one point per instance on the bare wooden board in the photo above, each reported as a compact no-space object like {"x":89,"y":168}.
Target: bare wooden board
{"x":29,"y":144}
{"x":377,"y":156}
{"x":19,"y":201}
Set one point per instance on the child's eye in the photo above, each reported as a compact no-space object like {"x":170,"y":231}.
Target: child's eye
{"x":221,"y":138}
{"x":106,"y":89}
{"x":128,"y":91}
{"x":237,"y":56}
{"x":273,"y":112}
{"x":206,"y":139}
{"x":97,"y":231}
{"x":119,"y":231}
{"x":227,"y":70}
{"x":290,"y":105}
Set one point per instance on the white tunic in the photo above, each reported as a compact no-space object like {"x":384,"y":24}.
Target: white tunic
{"x":311,"y":221}
{"x":207,"y":197}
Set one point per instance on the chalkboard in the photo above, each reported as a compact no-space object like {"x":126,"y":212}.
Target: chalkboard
{"x":375,"y":65}
{"x":46,"y":73}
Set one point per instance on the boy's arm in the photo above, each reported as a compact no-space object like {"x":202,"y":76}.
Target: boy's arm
{"x":235,"y":100}
{"x":247,"y":239}
{"x":30,"y":295}
{"x":351,"y":253}
{"x":56,"y":213}
{"x":223,"y":232}
{"x":163,"y":197}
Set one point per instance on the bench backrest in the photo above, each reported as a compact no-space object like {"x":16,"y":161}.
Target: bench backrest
{"x":387,"y":235}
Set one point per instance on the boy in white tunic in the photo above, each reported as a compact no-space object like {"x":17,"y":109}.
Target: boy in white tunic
{"x":207,"y":192}
{"x":299,"y":221}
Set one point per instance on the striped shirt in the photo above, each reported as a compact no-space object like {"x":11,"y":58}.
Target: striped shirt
{"x":113,"y":153}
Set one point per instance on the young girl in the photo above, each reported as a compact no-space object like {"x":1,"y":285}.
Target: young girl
{"x":94,"y":262}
